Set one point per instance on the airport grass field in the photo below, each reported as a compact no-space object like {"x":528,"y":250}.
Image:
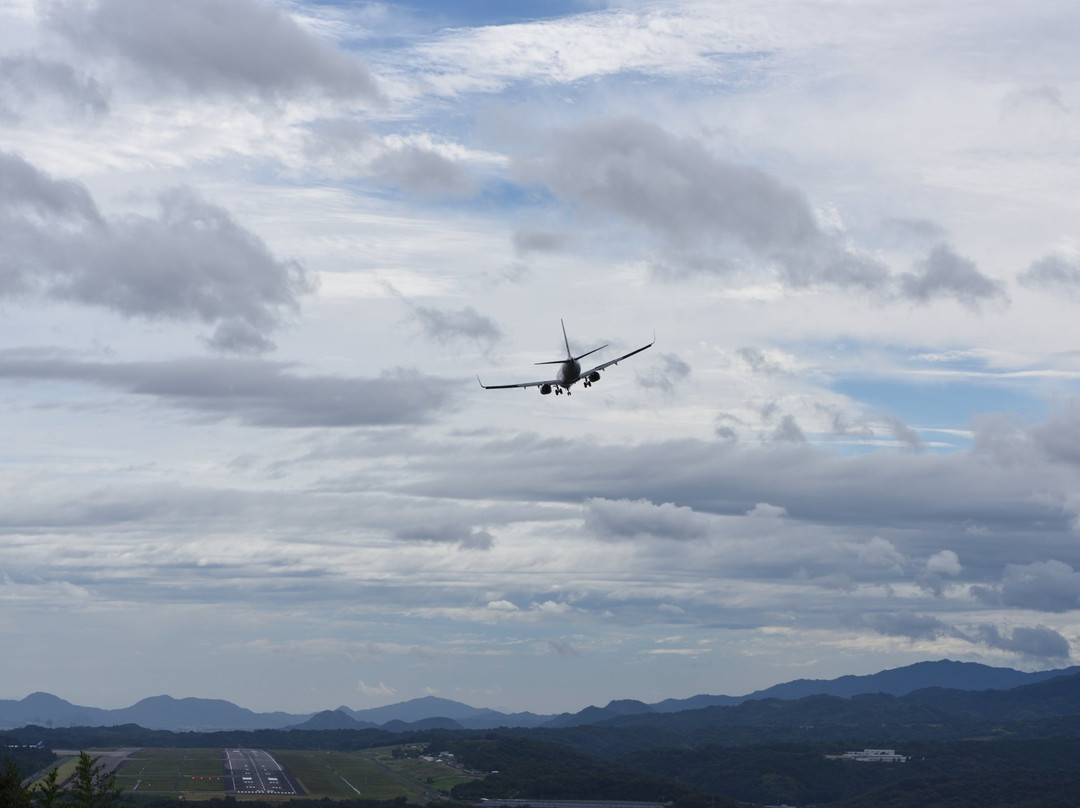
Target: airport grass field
{"x":370,"y":773}
{"x":171,"y":771}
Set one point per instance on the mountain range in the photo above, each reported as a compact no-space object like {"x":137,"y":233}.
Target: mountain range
{"x":194,"y":714}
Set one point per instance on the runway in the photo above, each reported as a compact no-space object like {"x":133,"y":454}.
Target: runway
{"x":254,"y":771}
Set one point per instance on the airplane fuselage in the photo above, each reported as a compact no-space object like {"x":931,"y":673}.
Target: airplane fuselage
{"x":569,"y":372}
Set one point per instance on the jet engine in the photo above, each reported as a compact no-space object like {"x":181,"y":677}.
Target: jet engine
{"x":545,"y":389}
{"x":594,"y":376}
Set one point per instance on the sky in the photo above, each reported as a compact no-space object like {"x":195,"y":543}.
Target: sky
{"x":254,"y":255}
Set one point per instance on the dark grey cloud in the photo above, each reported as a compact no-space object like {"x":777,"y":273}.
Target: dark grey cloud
{"x":1008,"y":442}
{"x":623,"y":518}
{"x":344,"y":147}
{"x":903,"y":433}
{"x":534,"y":240}
{"x":721,"y":218}
{"x":465,"y":536}
{"x":257,"y":393}
{"x":1046,"y":586}
{"x":240,"y":47}
{"x":944,"y":273}
{"x":1040,"y":642}
{"x":449,"y":326}
{"x":1054,"y":274}
{"x":422,"y":171}
{"x":193,"y":262}
{"x":900,"y":624}
{"x":704,"y":208}
{"x":29,"y":81}
{"x":787,"y":431}
{"x":725,"y":427}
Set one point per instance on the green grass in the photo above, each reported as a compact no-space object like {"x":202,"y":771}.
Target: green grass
{"x":170,"y":771}
{"x":339,"y":775}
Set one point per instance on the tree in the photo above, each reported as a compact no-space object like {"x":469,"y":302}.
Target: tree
{"x":11,"y":791}
{"x":92,"y":786}
{"x":48,"y":792}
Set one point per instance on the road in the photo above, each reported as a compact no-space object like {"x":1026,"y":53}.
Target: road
{"x":254,"y":771}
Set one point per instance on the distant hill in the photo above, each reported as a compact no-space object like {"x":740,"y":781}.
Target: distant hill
{"x":203,"y":715}
{"x":929,"y":714}
{"x":896,"y":682}
{"x":434,"y":707}
{"x":331,"y":719}
{"x":156,"y":712}
{"x":595,"y":715}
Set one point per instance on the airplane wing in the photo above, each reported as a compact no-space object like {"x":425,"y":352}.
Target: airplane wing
{"x":585,"y":373}
{"x":550,"y":382}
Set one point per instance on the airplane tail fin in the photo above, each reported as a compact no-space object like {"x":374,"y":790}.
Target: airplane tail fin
{"x":569,"y":356}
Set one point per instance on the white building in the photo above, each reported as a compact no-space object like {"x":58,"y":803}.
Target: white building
{"x":875,"y":756}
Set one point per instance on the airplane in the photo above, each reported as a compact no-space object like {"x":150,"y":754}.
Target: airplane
{"x":570,"y":372}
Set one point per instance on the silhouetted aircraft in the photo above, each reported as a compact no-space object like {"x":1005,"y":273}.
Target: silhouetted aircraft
{"x":570,"y":371}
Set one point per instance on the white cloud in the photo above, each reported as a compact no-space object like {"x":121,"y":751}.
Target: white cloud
{"x":947,"y":562}
{"x":381,"y":689}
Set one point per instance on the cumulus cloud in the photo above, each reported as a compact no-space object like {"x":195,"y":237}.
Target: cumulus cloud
{"x":422,"y":170}
{"x":1046,"y":586}
{"x":947,"y":562}
{"x":1040,"y":642}
{"x":939,"y":565}
{"x":257,"y":393}
{"x":1054,"y":274}
{"x":715,"y":217}
{"x":763,"y":510}
{"x":243,"y":47}
{"x":787,"y":431}
{"x":623,"y":518}
{"x":704,"y":208}
{"x":944,"y":273}
{"x":193,"y":262}
{"x":418,"y":164}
